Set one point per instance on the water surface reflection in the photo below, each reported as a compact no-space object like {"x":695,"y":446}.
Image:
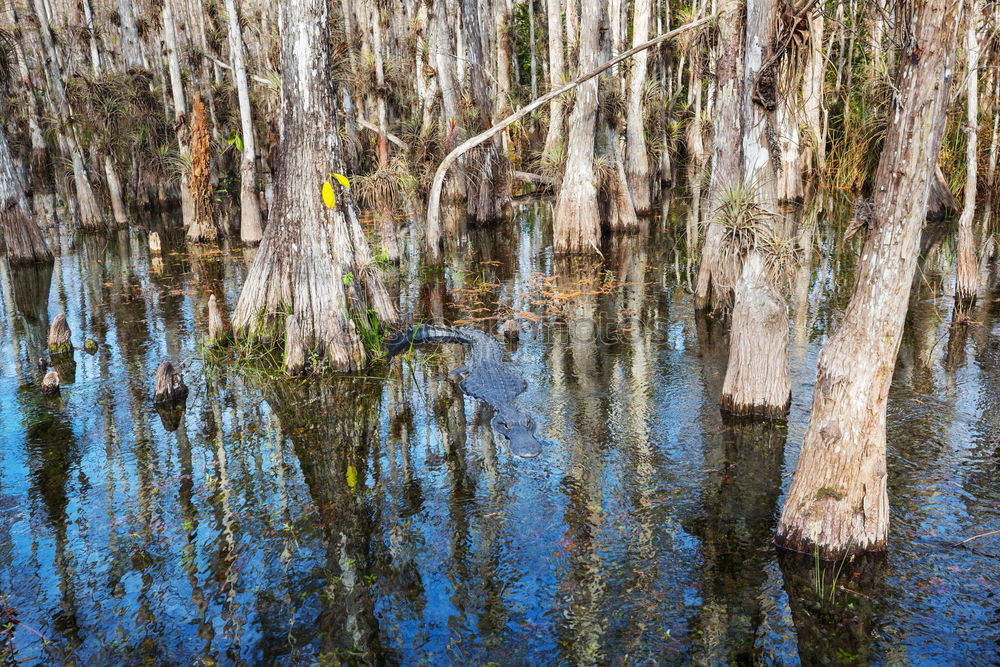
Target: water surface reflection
{"x":377,"y":520}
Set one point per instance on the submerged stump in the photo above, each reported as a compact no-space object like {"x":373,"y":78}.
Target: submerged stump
{"x":50,"y":383}
{"x":59,"y":336}
{"x":170,"y":387}
{"x":511,"y":330}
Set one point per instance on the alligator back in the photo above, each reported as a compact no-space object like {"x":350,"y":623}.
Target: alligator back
{"x":494,"y":383}
{"x":483,"y":347}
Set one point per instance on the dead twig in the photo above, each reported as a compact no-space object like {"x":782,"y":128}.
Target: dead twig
{"x":976,"y":537}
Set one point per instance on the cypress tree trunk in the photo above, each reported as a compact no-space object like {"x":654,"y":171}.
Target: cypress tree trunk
{"x":314,"y":268}
{"x":557,"y":70}
{"x":40,"y":167}
{"x":636,"y":158}
{"x":386,"y":222}
{"x":91,"y":217}
{"x":489,"y":181}
{"x":180,"y":108}
{"x":250,"y":217}
{"x":716,"y":273}
{"x":21,"y":236}
{"x":837,"y":503}
{"x":812,"y":93}
{"x":576,"y":225}
{"x":131,"y":44}
{"x":202,"y":225}
{"x":757,"y":377}
{"x":966,"y":264}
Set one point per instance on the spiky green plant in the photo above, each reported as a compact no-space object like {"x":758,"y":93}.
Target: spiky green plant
{"x":741,"y":217}
{"x":781,"y":255}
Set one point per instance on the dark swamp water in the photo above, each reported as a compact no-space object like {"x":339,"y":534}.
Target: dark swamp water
{"x":378,"y":520}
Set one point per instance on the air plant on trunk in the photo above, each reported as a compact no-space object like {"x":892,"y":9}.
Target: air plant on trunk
{"x":741,"y":216}
{"x":124,"y":122}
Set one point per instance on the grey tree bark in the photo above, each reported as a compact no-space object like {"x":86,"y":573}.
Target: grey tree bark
{"x":576,"y":223}
{"x":837,"y":503}
{"x":716,"y":272}
{"x":23,"y":240}
{"x":636,"y":157}
{"x":557,"y":70}
{"x":314,"y":269}
{"x":966,"y":264}
{"x":91,"y":217}
{"x":250,"y":216}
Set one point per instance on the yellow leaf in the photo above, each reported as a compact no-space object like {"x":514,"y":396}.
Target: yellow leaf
{"x":352,"y":476}
{"x":342,"y":180}
{"x":329,"y":198}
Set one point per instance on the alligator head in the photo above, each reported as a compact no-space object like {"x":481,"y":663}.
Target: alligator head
{"x":519,"y":429}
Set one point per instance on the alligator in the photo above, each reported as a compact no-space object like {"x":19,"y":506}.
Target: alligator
{"x":486,"y":378}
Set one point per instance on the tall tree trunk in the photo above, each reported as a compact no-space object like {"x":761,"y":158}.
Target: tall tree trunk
{"x":966,"y":265}
{"x":250,"y":217}
{"x":812,"y":92}
{"x":489,"y":180}
{"x":757,"y":377}
{"x":557,"y":70}
{"x":618,"y":212}
{"x":40,"y":167}
{"x":837,"y":502}
{"x":576,"y":225}
{"x":505,"y":46}
{"x":21,"y":236}
{"x":177,"y":95}
{"x":91,"y":217}
{"x":532,"y":49}
{"x":386,"y":222}
{"x":314,"y":268}
{"x":716,"y":274}
{"x":131,"y":44}
{"x":95,"y":55}
{"x":636,"y":157}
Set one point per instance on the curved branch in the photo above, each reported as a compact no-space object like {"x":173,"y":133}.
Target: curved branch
{"x":434,"y":198}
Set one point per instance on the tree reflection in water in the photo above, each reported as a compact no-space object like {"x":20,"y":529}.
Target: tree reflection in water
{"x":378,"y":520}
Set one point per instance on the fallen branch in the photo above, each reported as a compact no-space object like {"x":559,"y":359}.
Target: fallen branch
{"x":434,"y":198}
{"x":388,"y":135}
{"x":259,"y":79}
{"x":526,"y":177}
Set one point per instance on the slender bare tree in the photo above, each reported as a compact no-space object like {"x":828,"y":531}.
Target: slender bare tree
{"x":966,"y":264}
{"x":636,"y":155}
{"x":250,"y":216}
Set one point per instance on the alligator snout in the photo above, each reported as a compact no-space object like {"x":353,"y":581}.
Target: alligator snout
{"x":520,"y":433}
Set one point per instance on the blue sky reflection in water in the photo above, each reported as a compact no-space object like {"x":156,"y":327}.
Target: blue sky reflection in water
{"x":379,"y":520}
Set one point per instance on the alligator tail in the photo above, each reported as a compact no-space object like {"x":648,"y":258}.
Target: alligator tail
{"x":422,"y":334}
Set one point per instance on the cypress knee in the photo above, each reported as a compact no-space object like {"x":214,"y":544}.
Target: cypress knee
{"x":59,"y":336}
{"x":50,"y":383}
{"x":216,"y":331}
{"x":170,"y":387}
